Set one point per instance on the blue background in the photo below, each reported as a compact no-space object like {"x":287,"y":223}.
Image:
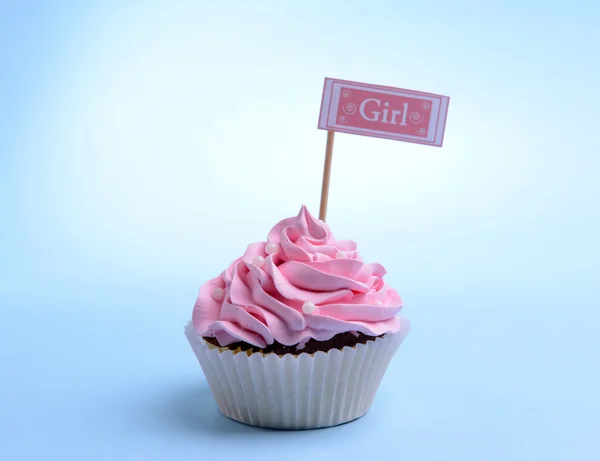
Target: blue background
{"x":144,"y":144}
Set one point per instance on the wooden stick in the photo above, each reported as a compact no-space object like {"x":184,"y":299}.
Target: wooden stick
{"x":326,"y":175}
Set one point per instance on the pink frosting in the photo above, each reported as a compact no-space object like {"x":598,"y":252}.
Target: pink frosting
{"x":259,"y":298}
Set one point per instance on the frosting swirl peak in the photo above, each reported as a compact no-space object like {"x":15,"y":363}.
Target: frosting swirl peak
{"x":300,"y":284}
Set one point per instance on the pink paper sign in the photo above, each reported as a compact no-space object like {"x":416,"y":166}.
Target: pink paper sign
{"x":383,"y":112}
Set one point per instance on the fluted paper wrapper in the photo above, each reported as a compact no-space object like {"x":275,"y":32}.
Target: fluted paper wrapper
{"x":308,"y":391}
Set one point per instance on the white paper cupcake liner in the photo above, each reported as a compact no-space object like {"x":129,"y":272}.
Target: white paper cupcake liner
{"x":308,"y":391}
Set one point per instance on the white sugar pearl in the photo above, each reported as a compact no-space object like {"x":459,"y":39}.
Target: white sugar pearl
{"x":259,"y":261}
{"x":271,"y":248}
{"x":340,"y":255}
{"x":308,"y":307}
{"x":218,"y":293}
{"x":379,"y":303}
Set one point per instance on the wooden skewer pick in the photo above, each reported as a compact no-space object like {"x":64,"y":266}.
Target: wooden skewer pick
{"x":326,"y":175}
{"x":427,"y":113}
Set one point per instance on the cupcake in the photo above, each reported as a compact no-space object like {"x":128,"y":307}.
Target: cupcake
{"x":298,"y":332}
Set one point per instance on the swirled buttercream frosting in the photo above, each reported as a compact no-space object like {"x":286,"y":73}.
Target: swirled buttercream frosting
{"x":300,"y":284}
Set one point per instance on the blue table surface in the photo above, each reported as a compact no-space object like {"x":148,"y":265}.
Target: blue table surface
{"x":106,"y":374}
